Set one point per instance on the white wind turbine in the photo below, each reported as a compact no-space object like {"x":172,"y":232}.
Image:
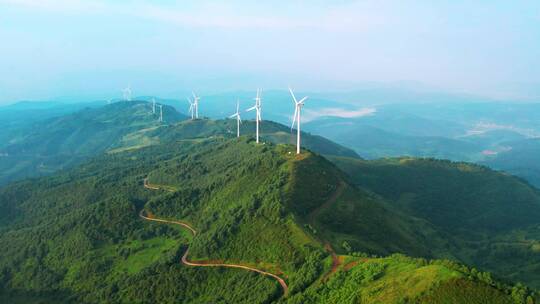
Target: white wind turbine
{"x":296,"y":118}
{"x":238,"y":119}
{"x":153,"y":106}
{"x":191,"y":108}
{"x":127,"y":93}
{"x":257,"y":108}
{"x":196,"y":104}
{"x":160,"y":113}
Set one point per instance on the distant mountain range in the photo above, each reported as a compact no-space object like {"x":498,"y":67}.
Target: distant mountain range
{"x":457,"y":128}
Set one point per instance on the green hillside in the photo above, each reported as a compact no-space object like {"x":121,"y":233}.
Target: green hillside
{"x":46,"y":146}
{"x":490,"y":219}
{"x":269,"y":131}
{"x":63,"y":141}
{"x":76,"y":236}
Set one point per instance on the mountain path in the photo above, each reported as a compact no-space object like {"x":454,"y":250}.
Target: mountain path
{"x":185,"y":260}
{"x":336,"y":262}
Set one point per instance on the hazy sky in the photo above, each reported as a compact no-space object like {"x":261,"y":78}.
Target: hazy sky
{"x":51,"y":48}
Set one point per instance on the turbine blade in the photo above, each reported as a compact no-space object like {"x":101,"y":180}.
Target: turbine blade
{"x":292,"y":94}
{"x":302,"y":100}
{"x":251,"y":109}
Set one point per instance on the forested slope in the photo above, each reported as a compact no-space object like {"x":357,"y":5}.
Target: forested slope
{"x":76,"y":236}
{"x":490,"y":219}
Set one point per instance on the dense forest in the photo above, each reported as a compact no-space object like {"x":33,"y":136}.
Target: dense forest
{"x":76,"y":236}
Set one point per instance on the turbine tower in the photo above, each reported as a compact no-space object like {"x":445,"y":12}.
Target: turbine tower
{"x":191,"y":108}
{"x":160,"y":113}
{"x":296,"y":118}
{"x":153,"y":106}
{"x":257,"y":108}
{"x":238,"y":119}
{"x":127,"y":93}
{"x":196,"y":104}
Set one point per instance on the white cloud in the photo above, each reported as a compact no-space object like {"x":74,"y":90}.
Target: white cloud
{"x":338,"y":112}
{"x":484,"y":127}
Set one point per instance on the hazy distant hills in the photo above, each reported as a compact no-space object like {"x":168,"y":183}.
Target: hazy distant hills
{"x":480,"y":132}
{"x":20,"y":117}
{"x":521,"y":158}
{"x":500,"y":135}
{"x":75,"y":237}
{"x":46,"y":145}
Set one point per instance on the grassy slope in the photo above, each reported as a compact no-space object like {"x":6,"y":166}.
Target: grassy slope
{"x":78,"y":233}
{"x":490,"y":218}
{"x":399,"y":279}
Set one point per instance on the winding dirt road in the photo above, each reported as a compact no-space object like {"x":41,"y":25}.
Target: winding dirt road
{"x":203,"y":264}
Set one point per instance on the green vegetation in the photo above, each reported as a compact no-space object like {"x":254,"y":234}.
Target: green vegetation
{"x":270,"y":132}
{"x":75,"y":237}
{"x":399,"y":279}
{"x":62,"y":142}
{"x":77,"y":233}
{"x":488,"y":219}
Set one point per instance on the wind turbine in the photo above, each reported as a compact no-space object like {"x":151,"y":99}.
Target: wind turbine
{"x":238,"y":119}
{"x":191,"y":108}
{"x":196,"y":104}
{"x":257,"y":108}
{"x":153,"y":106}
{"x":296,"y":118}
{"x":160,"y":113}
{"x":127,"y":93}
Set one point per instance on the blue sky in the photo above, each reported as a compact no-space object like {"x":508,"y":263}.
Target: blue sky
{"x":92,"y":49}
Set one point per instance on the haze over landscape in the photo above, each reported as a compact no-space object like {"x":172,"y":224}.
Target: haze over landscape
{"x":90,"y":49}
{"x":269,"y":152}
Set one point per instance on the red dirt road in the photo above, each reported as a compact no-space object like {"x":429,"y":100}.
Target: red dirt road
{"x":203,"y":264}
